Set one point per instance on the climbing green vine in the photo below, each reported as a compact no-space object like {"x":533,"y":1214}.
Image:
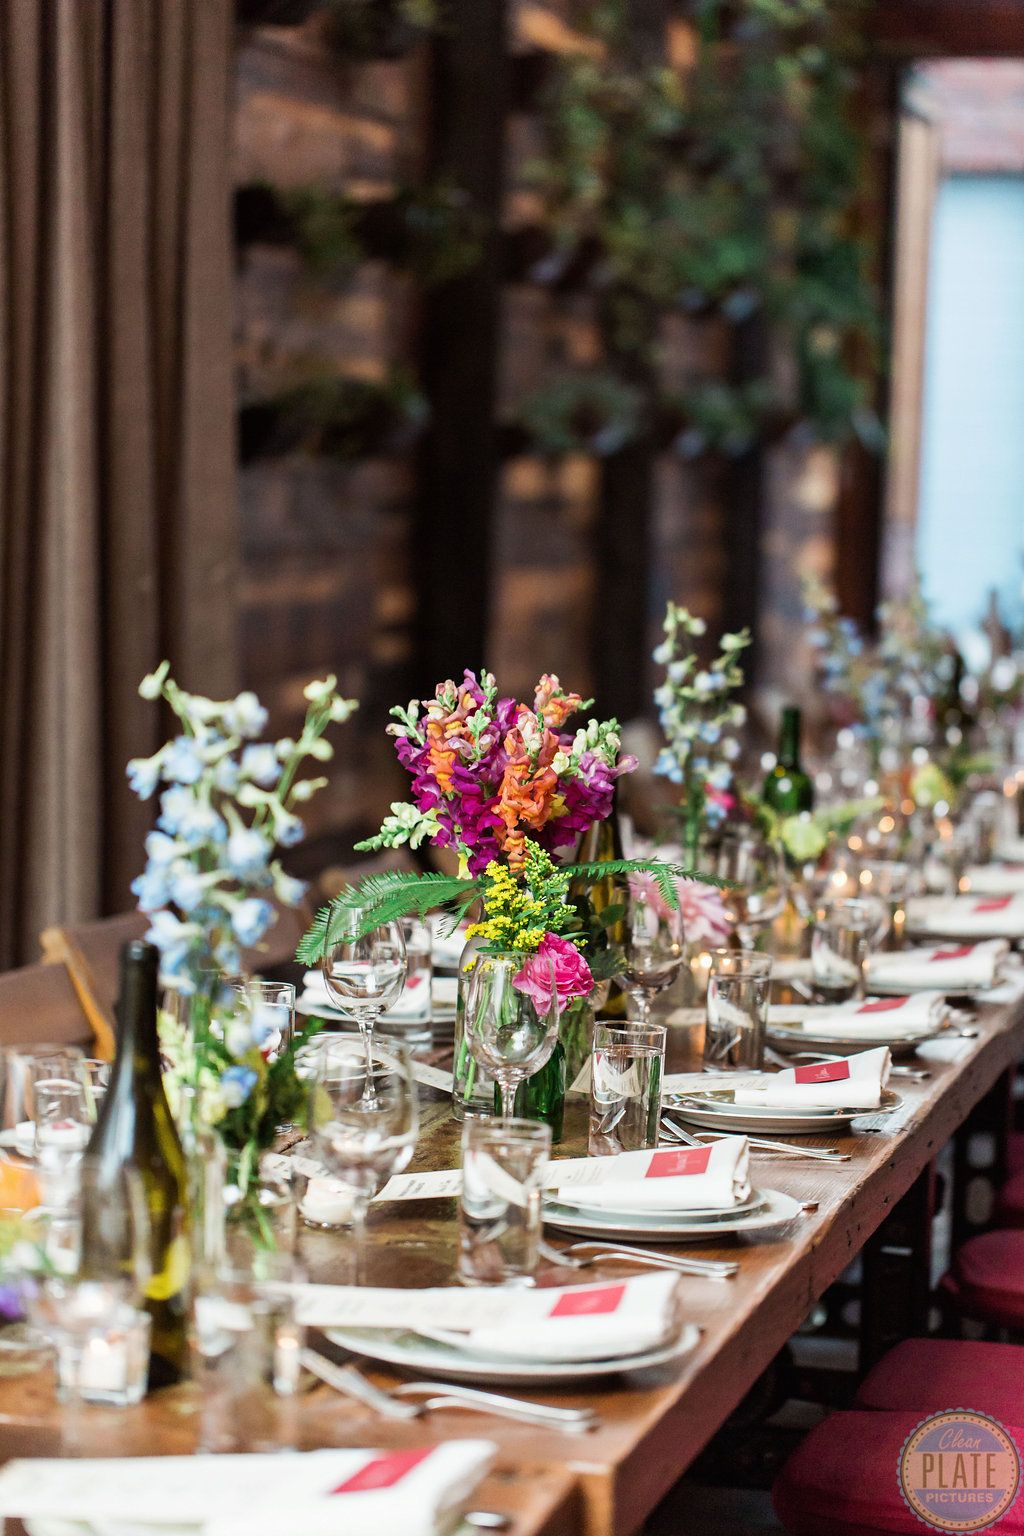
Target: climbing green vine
{"x":729,"y":188}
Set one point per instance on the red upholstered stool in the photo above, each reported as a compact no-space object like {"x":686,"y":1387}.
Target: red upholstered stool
{"x":929,"y":1375}
{"x":843,"y":1480}
{"x":1009,"y":1211}
{"x":986,"y":1280}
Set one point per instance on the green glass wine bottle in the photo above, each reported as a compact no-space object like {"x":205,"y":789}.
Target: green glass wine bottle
{"x":788,"y":789}
{"x":601,"y":844}
{"x":136,"y":1130}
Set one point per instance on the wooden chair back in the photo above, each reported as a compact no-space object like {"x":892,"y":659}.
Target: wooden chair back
{"x":38,"y":1005}
{"x":90,"y":953}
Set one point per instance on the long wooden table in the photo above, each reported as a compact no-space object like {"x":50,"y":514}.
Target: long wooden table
{"x":652,"y":1426}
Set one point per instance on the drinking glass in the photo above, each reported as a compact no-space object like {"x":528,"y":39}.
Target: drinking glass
{"x":756,"y":894}
{"x":245,"y":1346}
{"x":63,"y":1124}
{"x":512,"y":1018}
{"x":841,"y":944}
{"x":419,"y":948}
{"x":739,"y":985}
{"x":627,"y":1069}
{"x":984,"y":820}
{"x":363,"y":1137}
{"x":22,"y":1066}
{"x":654,"y":944}
{"x":365,"y":976}
{"x":891,"y":882}
{"x":503,"y":1168}
{"x":951,"y":853}
{"x":267,"y":1009}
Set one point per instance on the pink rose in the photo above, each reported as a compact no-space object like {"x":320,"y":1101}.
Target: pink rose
{"x":571,"y":973}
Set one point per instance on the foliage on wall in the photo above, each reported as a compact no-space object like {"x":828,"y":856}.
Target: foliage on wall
{"x":727,"y":188}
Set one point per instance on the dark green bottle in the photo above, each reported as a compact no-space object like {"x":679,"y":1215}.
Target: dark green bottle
{"x":788,"y":789}
{"x":542,"y":1096}
{"x":602,"y":844}
{"x":136,"y":1130}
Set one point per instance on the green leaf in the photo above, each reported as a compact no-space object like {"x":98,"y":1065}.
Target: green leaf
{"x":383,"y":898}
{"x":665,"y":874}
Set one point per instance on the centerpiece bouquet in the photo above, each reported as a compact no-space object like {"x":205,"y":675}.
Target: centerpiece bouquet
{"x":506,"y":786}
{"x":228,"y":802}
{"x":700,"y":715}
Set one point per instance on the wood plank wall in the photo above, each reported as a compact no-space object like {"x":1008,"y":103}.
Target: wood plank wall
{"x":336,"y":573}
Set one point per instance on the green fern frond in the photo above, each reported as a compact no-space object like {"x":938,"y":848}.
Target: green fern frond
{"x":664,"y":873}
{"x":383,"y":898}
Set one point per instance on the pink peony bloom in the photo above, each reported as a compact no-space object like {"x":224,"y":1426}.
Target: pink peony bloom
{"x":705,"y":918}
{"x":571,"y":974}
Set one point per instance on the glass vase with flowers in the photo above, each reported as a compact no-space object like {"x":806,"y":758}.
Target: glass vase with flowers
{"x":506,"y":787}
{"x":213,"y":882}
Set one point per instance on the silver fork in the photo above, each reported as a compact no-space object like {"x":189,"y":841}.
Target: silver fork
{"x":352,"y":1383}
{"x":759,"y":1143}
{"x":576,"y":1257}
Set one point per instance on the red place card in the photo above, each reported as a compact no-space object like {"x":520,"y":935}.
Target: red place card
{"x":588,"y":1303}
{"x":995,"y":904}
{"x":383,"y":1471}
{"x":823,"y":1072}
{"x":669,"y":1165}
{"x":952,"y":954}
{"x":883,"y":1005}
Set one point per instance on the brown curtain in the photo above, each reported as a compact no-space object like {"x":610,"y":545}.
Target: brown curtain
{"x":117,"y":497}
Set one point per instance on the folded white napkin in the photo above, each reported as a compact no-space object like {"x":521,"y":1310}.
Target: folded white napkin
{"x":996,"y":879}
{"x":363,"y":1493}
{"x":413,"y":1004}
{"x":855,"y":1083}
{"x":557,"y":1323}
{"x":876,"y":1018}
{"x":951,"y":967}
{"x":711,"y":1178}
{"x":600,"y":1322}
{"x":968,"y":917}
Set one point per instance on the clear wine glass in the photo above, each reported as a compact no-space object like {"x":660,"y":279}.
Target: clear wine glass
{"x":654,"y":945}
{"x":362,"y":1131}
{"x":756,"y":894}
{"x":511,"y":1018}
{"x":365,"y":977}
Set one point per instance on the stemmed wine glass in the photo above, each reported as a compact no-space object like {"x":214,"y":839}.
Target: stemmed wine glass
{"x":756,"y":894}
{"x":512,"y":1018}
{"x":363,"y":1130}
{"x":365,"y":976}
{"x":654,"y":944}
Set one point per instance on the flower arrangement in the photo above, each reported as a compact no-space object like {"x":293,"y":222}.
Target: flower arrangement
{"x":877,"y":688}
{"x":500,"y":783}
{"x":699,"y":717}
{"x":488,"y":772}
{"x":226,"y":802}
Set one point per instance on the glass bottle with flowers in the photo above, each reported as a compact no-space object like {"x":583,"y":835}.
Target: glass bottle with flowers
{"x":504,"y":785}
{"x":227,"y":803}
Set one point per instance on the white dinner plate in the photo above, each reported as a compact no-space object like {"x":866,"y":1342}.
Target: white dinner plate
{"x":799,"y":1035}
{"x":716,"y":1111}
{"x":671,"y":1226}
{"x":422,"y":1356}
